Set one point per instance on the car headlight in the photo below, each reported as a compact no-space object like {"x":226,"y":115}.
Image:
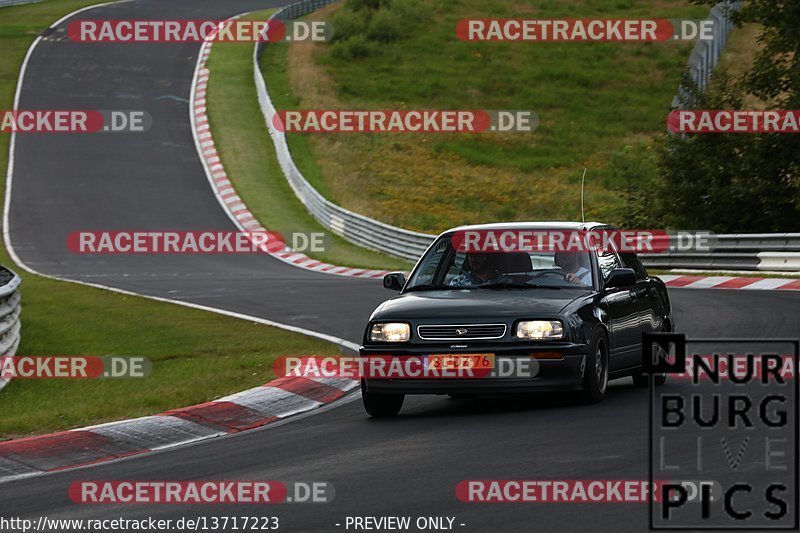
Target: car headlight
{"x":540,"y":329}
{"x":390,"y":332}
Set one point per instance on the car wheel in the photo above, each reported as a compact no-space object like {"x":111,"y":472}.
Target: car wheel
{"x":382,"y":405}
{"x":595,"y":375}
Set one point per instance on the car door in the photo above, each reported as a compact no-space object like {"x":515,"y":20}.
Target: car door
{"x":645,"y":294}
{"x":623,"y":316}
{"x":650,"y":302}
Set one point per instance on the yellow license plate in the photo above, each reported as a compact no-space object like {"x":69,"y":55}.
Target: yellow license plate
{"x":461,"y":361}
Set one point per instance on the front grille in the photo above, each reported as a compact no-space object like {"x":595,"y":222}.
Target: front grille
{"x":461,"y":331}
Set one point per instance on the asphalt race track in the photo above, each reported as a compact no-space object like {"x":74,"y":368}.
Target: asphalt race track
{"x":149,"y":181}
{"x":407,"y":466}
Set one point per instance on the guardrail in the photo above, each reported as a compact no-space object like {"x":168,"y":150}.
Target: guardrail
{"x":7,"y":3}
{"x":738,"y":251}
{"x":299,"y":9}
{"x":733,"y":252}
{"x":10,"y":309}
{"x":359,"y":229}
{"x":706,"y":53}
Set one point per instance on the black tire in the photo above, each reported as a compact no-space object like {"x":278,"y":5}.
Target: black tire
{"x":595,"y":375}
{"x":382,"y":405}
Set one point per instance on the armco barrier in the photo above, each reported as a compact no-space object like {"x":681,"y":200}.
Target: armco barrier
{"x":356,"y":228}
{"x":739,"y":251}
{"x":6,"y":3}
{"x":9,"y":316}
{"x":706,"y":54}
{"x":734,"y":252}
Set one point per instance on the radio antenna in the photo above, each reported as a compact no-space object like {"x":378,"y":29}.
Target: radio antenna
{"x":583,"y":180}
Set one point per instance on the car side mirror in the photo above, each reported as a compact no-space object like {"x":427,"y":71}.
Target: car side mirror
{"x":394,"y":281}
{"x":620,"y":277}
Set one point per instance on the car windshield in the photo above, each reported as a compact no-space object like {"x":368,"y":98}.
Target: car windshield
{"x":444,"y":268}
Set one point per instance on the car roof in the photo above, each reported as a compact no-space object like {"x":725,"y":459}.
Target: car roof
{"x":499,"y":226}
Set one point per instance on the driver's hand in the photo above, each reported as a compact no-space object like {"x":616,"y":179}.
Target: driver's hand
{"x":572,"y":278}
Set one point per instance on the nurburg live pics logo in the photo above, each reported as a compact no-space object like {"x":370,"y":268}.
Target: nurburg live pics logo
{"x":734,"y":421}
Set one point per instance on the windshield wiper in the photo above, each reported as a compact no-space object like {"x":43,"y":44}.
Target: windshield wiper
{"x":515,"y":286}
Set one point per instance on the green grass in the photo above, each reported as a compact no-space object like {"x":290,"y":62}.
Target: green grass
{"x":273,"y":65}
{"x":593,"y":99}
{"x":197,"y":356}
{"x":19,"y":26}
{"x":249,"y":157}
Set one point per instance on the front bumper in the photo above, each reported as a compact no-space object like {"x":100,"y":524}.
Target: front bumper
{"x":565,"y":373}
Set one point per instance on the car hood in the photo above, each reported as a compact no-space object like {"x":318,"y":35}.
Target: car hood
{"x":459,"y":303}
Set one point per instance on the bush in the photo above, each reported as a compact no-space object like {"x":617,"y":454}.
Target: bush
{"x":741,"y":182}
{"x":386,"y":26}
{"x":364,"y":5}
{"x":348,"y":24}
{"x":379,"y":21}
{"x":633,"y":170}
{"x":731,"y":182}
{"x":358,"y":47}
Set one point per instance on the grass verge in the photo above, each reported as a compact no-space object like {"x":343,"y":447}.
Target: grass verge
{"x":247,"y":152}
{"x":197,"y":356}
{"x":593,"y":99}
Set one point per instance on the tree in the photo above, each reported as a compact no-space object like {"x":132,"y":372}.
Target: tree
{"x":740,"y":182}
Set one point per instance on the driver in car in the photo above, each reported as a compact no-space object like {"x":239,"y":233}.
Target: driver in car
{"x":569,"y":263}
{"x":479,"y":268}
